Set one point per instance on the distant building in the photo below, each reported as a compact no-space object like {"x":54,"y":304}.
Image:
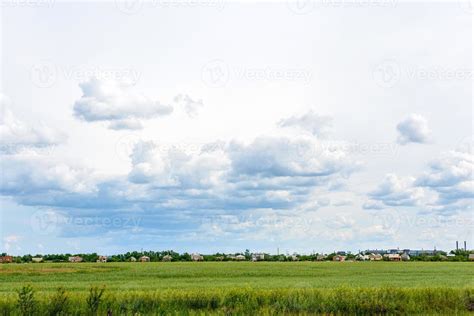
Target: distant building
{"x":144,"y":259}
{"x":320,"y":257}
{"x":197,"y":257}
{"x":6,"y":259}
{"x":295,"y":258}
{"x":102,"y":259}
{"x":471,"y":257}
{"x":75,"y":259}
{"x":362,"y":257}
{"x":376,"y":251}
{"x":393,"y":256}
{"x":405,"y":257}
{"x":37,"y":259}
{"x":167,"y":258}
{"x":133,"y":259}
{"x":339,"y":258}
{"x":258,"y":256}
{"x":375,"y":257}
{"x":415,"y":253}
{"x":240,"y":257}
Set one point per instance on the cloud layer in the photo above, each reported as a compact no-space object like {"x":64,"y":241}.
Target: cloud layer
{"x":17,"y":136}
{"x":116,"y":103}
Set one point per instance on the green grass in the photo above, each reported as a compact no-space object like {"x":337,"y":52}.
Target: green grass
{"x":241,"y":287}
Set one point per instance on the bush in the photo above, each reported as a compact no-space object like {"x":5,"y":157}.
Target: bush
{"x":59,"y":303}
{"x":94,"y":299}
{"x":26,"y":301}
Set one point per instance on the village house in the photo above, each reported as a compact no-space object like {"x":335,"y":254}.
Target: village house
{"x":102,"y":259}
{"x":75,"y":259}
{"x":144,"y":259}
{"x":167,"y":258}
{"x":133,"y":259}
{"x":471,"y":257}
{"x":375,"y":257}
{"x":339,"y":258}
{"x":240,"y":257}
{"x":197,"y":257}
{"x":320,"y":257}
{"x":393,"y":257}
{"x":37,"y":259}
{"x":258,"y":257}
{"x":6,"y":259}
{"x":405,"y":257}
{"x":362,"y":257}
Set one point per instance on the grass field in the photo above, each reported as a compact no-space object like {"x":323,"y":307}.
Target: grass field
{"x":242,"y":287}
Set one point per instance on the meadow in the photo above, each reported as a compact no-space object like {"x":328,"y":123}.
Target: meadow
{"x":239,"y":288}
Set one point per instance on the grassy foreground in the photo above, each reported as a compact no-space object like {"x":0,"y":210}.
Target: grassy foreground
{"x":241,"y":288}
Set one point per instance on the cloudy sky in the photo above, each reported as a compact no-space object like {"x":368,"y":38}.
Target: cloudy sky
{"x":213,"y":126}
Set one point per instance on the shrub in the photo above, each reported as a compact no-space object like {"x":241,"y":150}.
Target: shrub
{"x":59,"y":303}
{"x":94,"y":299}
{"x":26,"y":301}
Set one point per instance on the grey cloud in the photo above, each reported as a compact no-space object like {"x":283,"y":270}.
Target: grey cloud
{"x":413,"y":129}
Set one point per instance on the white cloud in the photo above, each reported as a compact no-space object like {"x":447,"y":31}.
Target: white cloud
{"x":191,"y":107}
{"x":311,"y":122}
{"x":396,"y":191}
{"x":413,"y":129}
{"x":451,"y":177}
{"x":446,"y":188}
{"x":10,"y":241}
{"x":116,"y":103}
{"x":37,"y":175}
{"x":16,"y":136}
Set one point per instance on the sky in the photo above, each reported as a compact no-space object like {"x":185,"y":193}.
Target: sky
{"x":215,"y":126}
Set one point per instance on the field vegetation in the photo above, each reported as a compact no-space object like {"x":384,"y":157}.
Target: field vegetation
{"x":224,"y":288}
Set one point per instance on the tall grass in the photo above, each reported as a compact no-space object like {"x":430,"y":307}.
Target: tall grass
{"x":444,"y":301}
